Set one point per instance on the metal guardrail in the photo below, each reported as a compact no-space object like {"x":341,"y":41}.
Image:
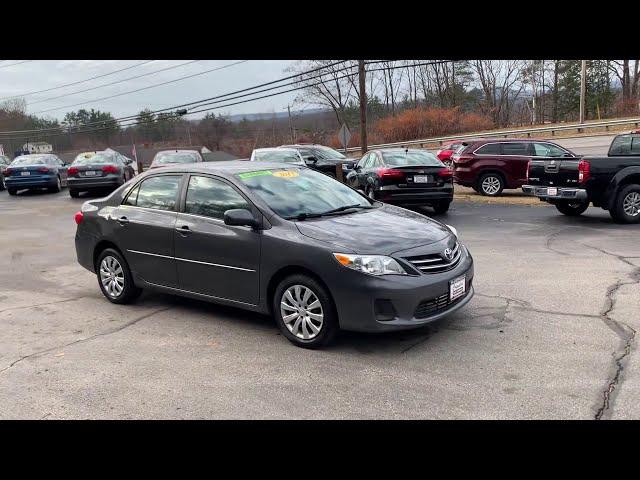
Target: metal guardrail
{"x":506,"y":133}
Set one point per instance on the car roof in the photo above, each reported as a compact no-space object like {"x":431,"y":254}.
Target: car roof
{"x":273,"y":148}
{"x":178,"y":151}
{"x":399,"y":150}
{"x":224,"y":168}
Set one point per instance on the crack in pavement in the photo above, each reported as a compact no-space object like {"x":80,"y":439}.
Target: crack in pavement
{"x":83,"y":340}
{"x":47,"y":303}
{"x":551,"y":237}
{"x":625,"y":333}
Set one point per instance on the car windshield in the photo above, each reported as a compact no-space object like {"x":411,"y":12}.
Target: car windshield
{"x":300,"y":191}
{"x":30,"y":160}
{"x":288,"y":156}
{"x":328,"y":152}
{"x":93,"y":159}
{"x":401,"y":159}
{"x":176,"y":157}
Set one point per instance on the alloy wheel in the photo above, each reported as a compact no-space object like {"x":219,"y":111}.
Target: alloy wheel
{"x":112,"y":276}
{"x":491,"y":185}
{"x":302,"y":312}
{"x":631,"y":204}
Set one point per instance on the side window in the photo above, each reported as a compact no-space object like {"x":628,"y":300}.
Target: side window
{"x":370,"y":161}
{"x":635,"y":145}
{"x":376,"y":161}
{"x":489,"y":149}
{"x":209,"y":197}
{"x":547,"y":150}
{"x":519,"y":148}
{"x":160,"y":193}
{"x":363,"y":161}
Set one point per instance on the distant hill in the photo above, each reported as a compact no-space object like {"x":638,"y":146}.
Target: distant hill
{"x":267,"y":116}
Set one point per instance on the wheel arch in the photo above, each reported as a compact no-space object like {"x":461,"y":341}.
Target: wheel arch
{"x":287,"y":271}
{"x":621,"y":179}
{"x":101,"y":246}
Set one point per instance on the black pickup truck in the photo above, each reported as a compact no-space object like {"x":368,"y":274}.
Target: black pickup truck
{"x":611,"y":182}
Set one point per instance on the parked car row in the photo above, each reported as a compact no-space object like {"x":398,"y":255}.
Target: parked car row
{"x":91,"y":171}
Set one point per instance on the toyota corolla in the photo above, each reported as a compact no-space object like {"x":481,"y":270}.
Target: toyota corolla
{"x":277,"y":239}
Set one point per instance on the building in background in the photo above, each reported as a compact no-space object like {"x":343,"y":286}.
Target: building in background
{"x":37,"y":147}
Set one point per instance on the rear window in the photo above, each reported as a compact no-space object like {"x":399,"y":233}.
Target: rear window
{"x":399,"y":159}
{"x":98,"y":158}
{"x":30,"y":160}
{"x":520,"y":148}
{"x":176,"y":157}
{"x":489,"y":149}
{"x":625,"y":145}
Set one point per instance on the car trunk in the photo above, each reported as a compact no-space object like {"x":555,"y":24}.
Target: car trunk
{"x":92,"y":170}
{"x":557,"y":172}
{"x":30,"y":171}
{"x":416,"y":176}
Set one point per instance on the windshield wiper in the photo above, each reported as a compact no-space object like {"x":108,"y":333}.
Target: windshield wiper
{"x":305,"y":215}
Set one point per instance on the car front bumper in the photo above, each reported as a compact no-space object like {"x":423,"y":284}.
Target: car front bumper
{"x":561,"y":193}
{"x":362,"y":300}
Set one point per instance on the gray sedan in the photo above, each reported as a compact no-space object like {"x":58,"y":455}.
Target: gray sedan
{"x":277,"y":239}
{"x":99,"y":171}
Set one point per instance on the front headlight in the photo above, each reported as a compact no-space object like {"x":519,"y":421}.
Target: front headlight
{"x":371,"y":264}
{"x":453,"y":230}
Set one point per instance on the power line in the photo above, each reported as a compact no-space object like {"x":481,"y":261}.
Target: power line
{"x":129,"y":117}
{"x":144,"y":88}
{"x":114,"y":83}
{"x":135,"y":123}
{"x":78,"y":82}
{"x":17,"y":63}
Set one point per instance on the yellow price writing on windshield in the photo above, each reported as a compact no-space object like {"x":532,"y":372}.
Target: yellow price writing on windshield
{"x":286,"y":174}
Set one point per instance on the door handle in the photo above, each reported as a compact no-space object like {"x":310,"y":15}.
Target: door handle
{"x":122,"y":220}
{"x":183,"y":230}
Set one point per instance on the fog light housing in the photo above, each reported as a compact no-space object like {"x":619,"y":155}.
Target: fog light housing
{"x":384,"y":310}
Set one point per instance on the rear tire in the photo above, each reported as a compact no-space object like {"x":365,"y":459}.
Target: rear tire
{"x":371,"y":192}
{"x":74,"y":193}
{"x":626,"y":208}
{"x":441,"y":207}
{"x":57,"y":187}
{"x":490,"y":184}
{"x":2,"y":185}
{"x":114,"y":277}
{"x":12,"y":191}
{"x":572,"y":209}
{"x":303,"y":321}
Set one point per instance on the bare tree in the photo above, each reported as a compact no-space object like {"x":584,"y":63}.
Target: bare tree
{"x":500,"y":81}
{"x":629,"y":76}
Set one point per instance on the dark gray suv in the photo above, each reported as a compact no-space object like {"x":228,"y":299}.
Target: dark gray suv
{"x":277,"y":239}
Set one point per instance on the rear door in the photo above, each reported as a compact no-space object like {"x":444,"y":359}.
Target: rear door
{"x":213,"y":258}
{"x":144,"y":228}
{"x":62,"y":168}
{"x":516,"y":156}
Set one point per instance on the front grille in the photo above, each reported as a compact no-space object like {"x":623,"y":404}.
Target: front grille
{"x":436,"y":262}
{"x":433,"y":306}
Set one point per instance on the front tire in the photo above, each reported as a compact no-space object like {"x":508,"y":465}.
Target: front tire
{"x":114,"y":277}
{"x":12,"y":191}
{"x":74,"y":193}
{"x":490,"y":184}
{"x":305,"y":312}
{"x":626,"y":208}
{"x":572,"y":209}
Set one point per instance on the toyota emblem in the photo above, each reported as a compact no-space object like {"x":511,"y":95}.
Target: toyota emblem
{"x":448,"y":253}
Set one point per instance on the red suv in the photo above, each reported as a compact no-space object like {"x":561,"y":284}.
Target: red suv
{"x":491,"y":165}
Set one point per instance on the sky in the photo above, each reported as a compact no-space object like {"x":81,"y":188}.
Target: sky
{"x":18,"y":79}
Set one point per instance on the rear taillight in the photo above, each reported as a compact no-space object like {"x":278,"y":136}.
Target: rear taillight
{"x":528,"y":167}
{"x":110,"y":169}
{"x":6,"y":172}
{"x":390,"y":173}
{"x":584,"y":171}
{"x":78,"y":217}
{"x":43,"y":169}
{"x":445,"y":173}
{"x":72,"y":171}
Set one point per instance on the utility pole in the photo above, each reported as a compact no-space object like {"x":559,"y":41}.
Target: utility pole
{"x":583,"y":89}
{"x":363,"y":107}
{"x":290,"y":124}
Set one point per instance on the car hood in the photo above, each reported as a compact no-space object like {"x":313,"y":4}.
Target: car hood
{"x":382,"y":230}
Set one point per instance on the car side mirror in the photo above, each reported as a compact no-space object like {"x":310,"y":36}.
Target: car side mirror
{"x":312,"y":159}
{"x":240,"y":217}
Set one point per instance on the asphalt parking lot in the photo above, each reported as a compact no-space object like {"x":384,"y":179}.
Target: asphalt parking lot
{"x":551,"y":333}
